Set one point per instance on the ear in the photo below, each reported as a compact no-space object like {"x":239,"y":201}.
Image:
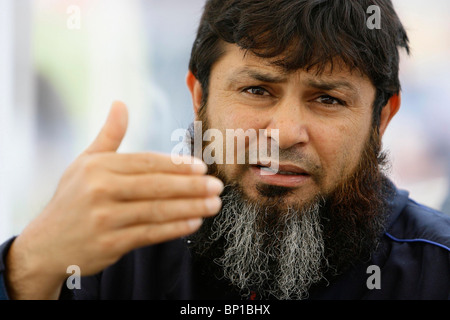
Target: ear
{"x":196,"y":91}
{"x":389,"y":111}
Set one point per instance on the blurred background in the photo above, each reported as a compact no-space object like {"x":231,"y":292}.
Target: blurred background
{"x":63,"y":62}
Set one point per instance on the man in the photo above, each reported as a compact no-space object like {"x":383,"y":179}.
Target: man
{"x":327,"y":225}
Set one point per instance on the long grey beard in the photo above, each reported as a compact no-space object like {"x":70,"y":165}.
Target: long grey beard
{"x":278,"y":254}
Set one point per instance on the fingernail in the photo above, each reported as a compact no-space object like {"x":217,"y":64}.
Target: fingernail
{"x":215,"y":186}
{"x":195,"y":223}
{"x":213,"y":205}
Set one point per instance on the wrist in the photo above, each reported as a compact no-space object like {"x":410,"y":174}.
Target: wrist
{"x":28,"y":276}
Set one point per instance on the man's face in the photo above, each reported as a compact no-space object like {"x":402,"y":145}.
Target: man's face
{"x":326,"y":207}
{"x":324,"y":122}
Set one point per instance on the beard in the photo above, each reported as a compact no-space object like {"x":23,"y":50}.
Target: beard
{"x":275,"y":253}
{"x":280,"y":250}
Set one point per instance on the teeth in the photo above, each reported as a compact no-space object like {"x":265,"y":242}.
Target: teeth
{"x":289,"y":173}
{"x":268,"y":169}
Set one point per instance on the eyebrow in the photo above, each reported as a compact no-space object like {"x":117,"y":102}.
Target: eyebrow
{"x":321,"y":84}
{"x":258,"y":75}
{"x":330,"y":85}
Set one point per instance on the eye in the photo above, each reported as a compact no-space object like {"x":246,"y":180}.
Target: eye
{"x":329,"y":100}
{"x":257,"y":91}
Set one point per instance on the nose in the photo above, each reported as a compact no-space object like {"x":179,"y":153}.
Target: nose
{"x":289,"y":117}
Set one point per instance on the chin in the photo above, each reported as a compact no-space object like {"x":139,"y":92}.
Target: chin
{"x":282,"y":197}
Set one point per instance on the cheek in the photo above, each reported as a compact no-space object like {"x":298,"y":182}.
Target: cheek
{"x":227,"y":112}
{"x":223,"y":115}
{"x":232,"y":117}
{"x":339,"y":148}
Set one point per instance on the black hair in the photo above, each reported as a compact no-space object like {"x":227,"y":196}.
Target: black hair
{"x":305,"y":34}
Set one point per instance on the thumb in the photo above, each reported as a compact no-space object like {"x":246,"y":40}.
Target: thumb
{"x":113,"y":131}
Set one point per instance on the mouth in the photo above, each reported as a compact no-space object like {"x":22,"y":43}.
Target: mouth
{"x":288,"y":170}
{"x":287,"y":175}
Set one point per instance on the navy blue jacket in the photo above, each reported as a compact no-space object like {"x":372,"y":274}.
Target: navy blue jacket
{"x":414,"y":260}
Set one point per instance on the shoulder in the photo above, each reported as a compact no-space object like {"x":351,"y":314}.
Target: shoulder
{"x":415,"y":257}
{"x":417,"y":223}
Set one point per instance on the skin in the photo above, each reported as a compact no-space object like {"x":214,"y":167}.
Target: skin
{"x":326,"y":118}
{"x":108,"y":204}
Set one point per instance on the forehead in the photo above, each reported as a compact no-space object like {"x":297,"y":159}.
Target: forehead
{"x":237,"y":63}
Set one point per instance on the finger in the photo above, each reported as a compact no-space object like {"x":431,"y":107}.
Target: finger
{"x":113,"y":131}
{"x":141,"y":163}
{"x":165,"y":186}
{"x":163,"y":211}
{"x":143,"y":235}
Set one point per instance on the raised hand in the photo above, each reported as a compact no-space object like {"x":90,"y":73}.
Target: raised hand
{"x":106,"y":205}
